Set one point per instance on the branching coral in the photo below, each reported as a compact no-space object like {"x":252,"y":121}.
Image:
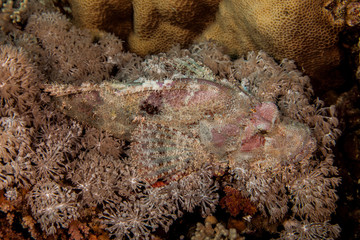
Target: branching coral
{"x":12,"y":12}
{"x":209,"y":230}
{"x":90,"y":60}
{"x":15,"y":137}
{"x":313,"y":193}
{"x":96,"y":178}
{"x":198,"y":189}
{"x":128,"y":219}
{"x":52,"y":205}
{"x":304,"y":230}
{"x":160,"y":206}
{"x":103,"y":142}
{"x":57,"y":143}
{"x":15,"y":140}
{"x":19,"y":86}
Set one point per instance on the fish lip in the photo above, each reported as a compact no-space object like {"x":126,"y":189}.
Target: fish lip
{"x":304,"y":142}
{"x":288,"y":143}
{"x":305,"y":151}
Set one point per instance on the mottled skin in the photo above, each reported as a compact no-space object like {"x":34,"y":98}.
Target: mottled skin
{"x":305,"y":31}
{"x":177,"y":126}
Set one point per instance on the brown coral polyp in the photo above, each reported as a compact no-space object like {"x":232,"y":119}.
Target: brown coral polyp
{"x":19,"y":86}
{"x":71,"y":171}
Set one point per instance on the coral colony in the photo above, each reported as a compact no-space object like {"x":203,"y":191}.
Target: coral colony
{"x":306,"y":31}
{"x":96,"y":142}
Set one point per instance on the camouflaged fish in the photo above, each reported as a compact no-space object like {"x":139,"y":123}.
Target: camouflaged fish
{"x":177,"y":126}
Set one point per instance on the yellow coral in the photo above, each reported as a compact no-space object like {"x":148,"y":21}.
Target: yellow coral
{"x":110,"y":15}
{"x":11,"y":12}
{"x":158,"y":25}
{"x":150,"y":26}
{"x":305,"y":31}
{"x":14,"y":14}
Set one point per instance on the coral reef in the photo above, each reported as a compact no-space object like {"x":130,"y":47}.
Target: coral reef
{"x":208,"y":231}
{"x":59,"y":43}
{"x":282,"y":28}
{"x":12,"y":11}
{"x":235,"y":203}
{"x":150,"y":26}
{"x":52,"y":205}
{"x":127,"y":145}
{"x":104,"y":15}
{"x":304,"y":230}
{"x":20,"y":79}
{"x":159,"y":24}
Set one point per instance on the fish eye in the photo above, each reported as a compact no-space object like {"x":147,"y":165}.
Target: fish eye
{"x":262,"y":131}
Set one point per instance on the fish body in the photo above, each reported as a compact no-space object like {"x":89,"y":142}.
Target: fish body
{"x":178,"y":126}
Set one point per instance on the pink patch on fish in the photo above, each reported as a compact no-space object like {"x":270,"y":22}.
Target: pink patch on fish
{"x":252,"y":143}
{"x":266,"y":112}
{"x":220,"y":136}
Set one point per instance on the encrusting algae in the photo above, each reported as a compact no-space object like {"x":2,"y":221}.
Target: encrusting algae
{"x":119,"y":145}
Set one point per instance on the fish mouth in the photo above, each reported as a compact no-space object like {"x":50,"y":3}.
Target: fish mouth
{"x":288,"y":142}
{"x":291,"y":142}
